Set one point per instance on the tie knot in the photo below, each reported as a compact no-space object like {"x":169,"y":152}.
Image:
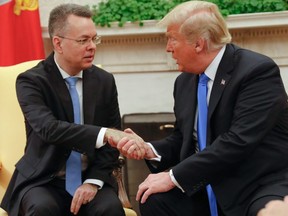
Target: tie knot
{"x":71,"y":80}
{"x":203,"y":79}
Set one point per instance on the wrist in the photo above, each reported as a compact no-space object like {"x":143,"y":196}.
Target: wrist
{"x":149,"y":154}
{"x":106,"y":135}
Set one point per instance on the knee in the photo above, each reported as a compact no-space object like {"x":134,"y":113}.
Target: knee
{"x":47,"y":210}
{"x":111,"y":209}
{"x":149,"y":206}
{"x":43,"y":209}
{"x":114,"y":209}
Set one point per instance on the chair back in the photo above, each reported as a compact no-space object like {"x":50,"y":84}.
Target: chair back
{"x":12,"y":129}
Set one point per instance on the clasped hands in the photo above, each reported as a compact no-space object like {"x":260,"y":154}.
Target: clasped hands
{"x":133,"y":146}
{"x":129,"y":144}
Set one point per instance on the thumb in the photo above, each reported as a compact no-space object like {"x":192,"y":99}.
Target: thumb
{"x":129,"y":130}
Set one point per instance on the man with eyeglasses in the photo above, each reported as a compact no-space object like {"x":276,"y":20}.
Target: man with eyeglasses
{"x":62,"y":118}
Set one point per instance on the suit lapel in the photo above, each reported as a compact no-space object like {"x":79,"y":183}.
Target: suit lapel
{"x":189,"y":105}
{"x":194,"y":98}
{"x":89,"y":91}
{"x":58,"y":84}
{"x":222,"y":78}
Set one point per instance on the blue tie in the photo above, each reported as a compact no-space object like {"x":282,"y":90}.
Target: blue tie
{"x":202,"y":132}
{"x":73,"y":164}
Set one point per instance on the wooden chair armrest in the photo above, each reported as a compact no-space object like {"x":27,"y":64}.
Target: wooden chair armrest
{"x":122,"y":194}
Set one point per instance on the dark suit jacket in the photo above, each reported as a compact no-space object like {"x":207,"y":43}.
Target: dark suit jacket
{"x":247,"y":142}
{"x":47,"y":107}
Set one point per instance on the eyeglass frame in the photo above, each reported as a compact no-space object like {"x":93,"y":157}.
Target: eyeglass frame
{"x":86,"y":41}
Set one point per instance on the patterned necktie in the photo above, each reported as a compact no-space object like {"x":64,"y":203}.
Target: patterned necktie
{"x":73,"y":164}
{"x":202,"y":132}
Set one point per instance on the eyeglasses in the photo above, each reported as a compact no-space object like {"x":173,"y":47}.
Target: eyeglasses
{"x":86,"y":41}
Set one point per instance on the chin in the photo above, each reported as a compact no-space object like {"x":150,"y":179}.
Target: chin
{"x":87,"y":65}
{"x":180,"y":68}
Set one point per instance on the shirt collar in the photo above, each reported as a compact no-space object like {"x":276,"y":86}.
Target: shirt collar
{"x":65,"y":74}
{"x":212,"y":68}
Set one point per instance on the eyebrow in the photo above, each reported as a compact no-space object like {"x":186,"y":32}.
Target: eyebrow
{"x":87,"y":36}
{"x":167,"y":34}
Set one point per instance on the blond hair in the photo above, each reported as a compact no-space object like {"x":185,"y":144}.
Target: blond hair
{"x":199,"y":19}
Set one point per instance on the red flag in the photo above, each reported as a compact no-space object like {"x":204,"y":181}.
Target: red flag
{"x":20,"y":32}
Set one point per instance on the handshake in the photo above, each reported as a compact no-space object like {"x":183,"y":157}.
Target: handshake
{"x":129,"y":144}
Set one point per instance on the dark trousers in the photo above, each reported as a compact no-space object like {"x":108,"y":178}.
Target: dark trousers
{"x":53,"y":200}
{"x":176,"y":203}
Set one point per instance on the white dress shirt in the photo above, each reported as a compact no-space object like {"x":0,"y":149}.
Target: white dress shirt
{"x":100,"y":139}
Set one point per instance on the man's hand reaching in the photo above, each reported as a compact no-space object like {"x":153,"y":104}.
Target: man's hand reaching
{"x":128,"y":143}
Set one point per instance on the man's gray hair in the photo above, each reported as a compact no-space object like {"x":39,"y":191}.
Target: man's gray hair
{"x":58,"y":17}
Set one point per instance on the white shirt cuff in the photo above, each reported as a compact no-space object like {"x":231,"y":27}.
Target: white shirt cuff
{"x":174,"y":180}
{"x":100,"y":138}
{"x":158,"y":157}
{"x":95,"y":182}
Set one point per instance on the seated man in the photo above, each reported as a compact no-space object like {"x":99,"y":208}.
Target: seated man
{"x":229,"y":147}
{"x":68,"y":105}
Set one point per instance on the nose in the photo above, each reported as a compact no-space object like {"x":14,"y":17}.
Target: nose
{"x":91,"y":45}
{"x":169,"y":47}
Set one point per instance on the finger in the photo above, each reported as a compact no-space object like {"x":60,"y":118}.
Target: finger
{"x":141,"y":189}
{"x":132,"y":154}
{"x":135,"y":152}
{"x":87,"y":200}
{"x":74,"y":204}
{"x":77,"y":207}
{"x":141,"y":151}
{"x":128,"y":145}
{"x":78,"y":201}
{"x":132,"y":148}
{"x":141,"y":154}
{"x":122,"y":143}
{"x":136,"y":155}
{"x":145,"y":196}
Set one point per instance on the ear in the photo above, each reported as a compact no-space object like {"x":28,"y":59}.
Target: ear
{"x":57,"y":44}
{"x":199,"y":45}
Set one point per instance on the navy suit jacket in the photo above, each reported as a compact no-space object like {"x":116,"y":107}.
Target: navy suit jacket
{"x":51,"y":135}
{"x":247,"y":140}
